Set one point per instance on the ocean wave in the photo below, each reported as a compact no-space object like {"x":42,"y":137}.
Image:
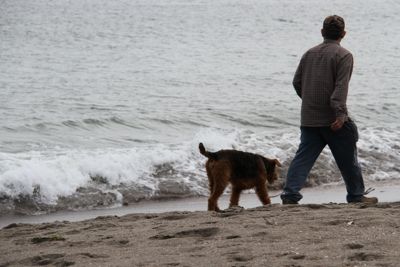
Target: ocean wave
{"x":103,"y":122}
{"x":74,"y":179}
{"x":244,"y":122}
{"x":86,"y":123}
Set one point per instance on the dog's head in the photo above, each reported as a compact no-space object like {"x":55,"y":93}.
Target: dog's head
{"x":271,"y":168}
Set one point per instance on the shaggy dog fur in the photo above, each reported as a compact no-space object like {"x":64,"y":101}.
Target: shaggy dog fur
{"x":243,"y":170}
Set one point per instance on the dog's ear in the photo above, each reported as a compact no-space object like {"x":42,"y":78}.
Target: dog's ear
{"x":270,"y":164}
{"x":277,"y":163}
{"x":273,"y":162}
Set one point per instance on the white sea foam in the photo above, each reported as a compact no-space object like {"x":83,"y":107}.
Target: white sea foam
{"x":61,"y":173}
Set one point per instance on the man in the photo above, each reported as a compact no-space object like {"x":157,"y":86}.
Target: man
{"x":321,"y":81}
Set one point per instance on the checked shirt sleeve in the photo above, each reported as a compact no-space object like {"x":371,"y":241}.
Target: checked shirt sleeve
{"x":339,"y":95}
{"x":297,"y":78}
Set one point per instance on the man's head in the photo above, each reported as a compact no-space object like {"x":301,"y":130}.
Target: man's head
{"x":333,"y":28}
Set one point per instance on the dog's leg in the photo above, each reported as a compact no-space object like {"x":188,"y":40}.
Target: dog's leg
{"x":210,"y":177}
{"x":213,"y":200}
{"x":212,"y":205}
{"x":211,"y":185}
{"x":235,"y":196}
{"x":262,"y":194}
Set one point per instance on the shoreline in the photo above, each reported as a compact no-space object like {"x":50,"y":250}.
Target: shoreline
{"x":315,"y":195}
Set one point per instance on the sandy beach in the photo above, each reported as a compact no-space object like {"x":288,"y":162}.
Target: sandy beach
{"x":275,"y":235}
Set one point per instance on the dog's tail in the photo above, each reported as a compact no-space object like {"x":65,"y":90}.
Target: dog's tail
{"x":207,"y":154}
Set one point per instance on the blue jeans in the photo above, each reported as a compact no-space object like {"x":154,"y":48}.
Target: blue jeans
{"x":342,"y":144}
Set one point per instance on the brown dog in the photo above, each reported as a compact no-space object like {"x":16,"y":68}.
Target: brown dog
{"x":243,"y":170}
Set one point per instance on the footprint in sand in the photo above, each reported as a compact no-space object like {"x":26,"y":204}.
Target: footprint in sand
{"x":235,"y":256}
{"x":52,"y":238}
{"x":73,"y":232}
{"x":238,"y":256}
{"x":119,"y":243}
{"x":291,"y":255}
{"x":336,"y":222}
{"x":173,"y":217}
{"x":241,"y":258}
{"x":93,"y":256}
{"x":211,"y":222}
{"x":298,"y":257}
{"x":47,"y":259}
{"x":200,"y":232}
{"x":354,"y":246}
{"x":233,"y":236}
{"x":195,"y":249}
{"x":362,"y":256}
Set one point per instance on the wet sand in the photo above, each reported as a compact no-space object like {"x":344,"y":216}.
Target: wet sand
{"x":319,"y":195}
{"x":275,"y":235}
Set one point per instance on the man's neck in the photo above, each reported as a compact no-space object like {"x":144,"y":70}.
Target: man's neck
{"x":326,"y":40}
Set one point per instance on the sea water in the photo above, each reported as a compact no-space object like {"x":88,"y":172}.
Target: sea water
{"x":104,"y":102}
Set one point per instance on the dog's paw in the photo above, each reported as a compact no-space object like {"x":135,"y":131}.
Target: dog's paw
{"x":231,"y":211}
{"x":234,"y":208}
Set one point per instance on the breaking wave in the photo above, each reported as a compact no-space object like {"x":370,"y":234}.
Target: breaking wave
{"x":34,"y":182}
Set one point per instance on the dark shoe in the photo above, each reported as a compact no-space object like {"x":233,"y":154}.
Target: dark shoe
{"x":366,"y":200}
{"x":289,"y":201}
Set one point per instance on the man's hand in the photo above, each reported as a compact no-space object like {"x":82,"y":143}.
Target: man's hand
{"x":337,"y":124}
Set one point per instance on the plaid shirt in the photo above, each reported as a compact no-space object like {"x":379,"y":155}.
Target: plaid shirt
{"x":321,"y":80}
